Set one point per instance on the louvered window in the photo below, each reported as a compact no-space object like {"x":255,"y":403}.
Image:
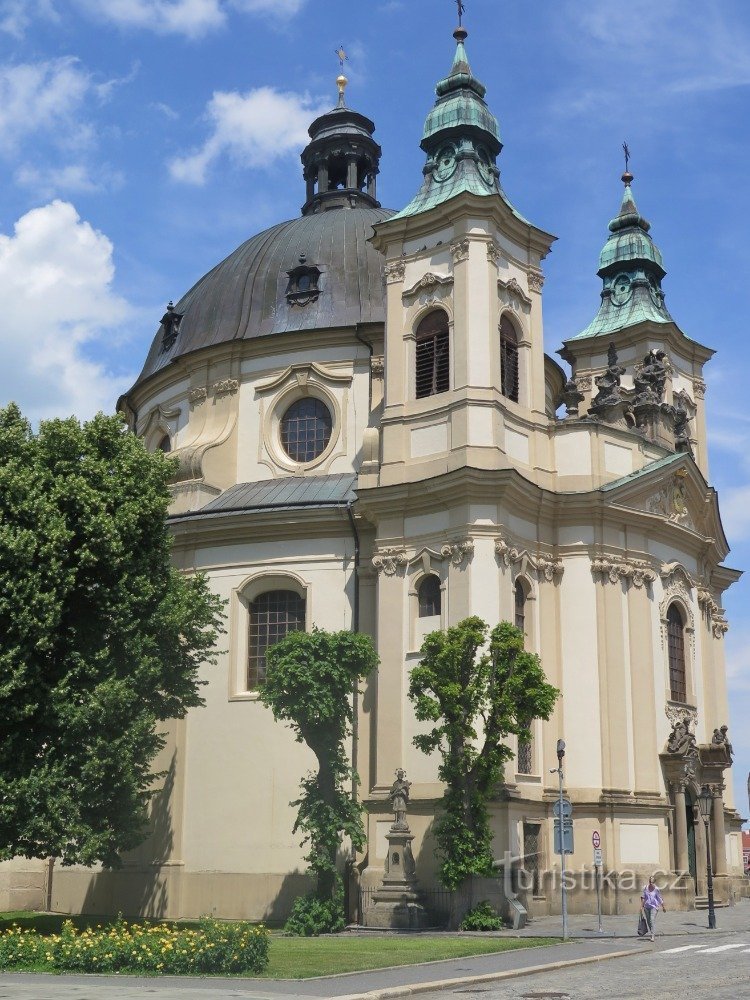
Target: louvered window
{"x":508,"y":360}
{"x":676,"y":649}
{"x":272,"y":616}
{"x":433,"y":355}
{"x":429,"y":597}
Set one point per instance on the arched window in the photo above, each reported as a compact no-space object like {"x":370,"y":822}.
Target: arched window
{"x":433,"y":355}
{"x":676,"y":650}
{"x":508,"y":359}
{"x":429,"y":597}
{"x":520,"y":606}
{"x":272,"y":616}
{"x":165,"y":444}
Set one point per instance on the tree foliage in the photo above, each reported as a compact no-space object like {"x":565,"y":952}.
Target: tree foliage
{"x":100,"y":639}
{"x":310,"y":677}
{"x":475,"y":699}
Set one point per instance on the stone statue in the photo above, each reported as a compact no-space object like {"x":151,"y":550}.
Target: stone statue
{"x":681,"y":741}
{"x":652,"y":376}
{"x":399,"y":796}
{"x":721,"y":739}
{"x":609,"y":397}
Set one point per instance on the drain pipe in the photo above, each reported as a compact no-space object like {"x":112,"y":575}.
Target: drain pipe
{"x":371,"y":349}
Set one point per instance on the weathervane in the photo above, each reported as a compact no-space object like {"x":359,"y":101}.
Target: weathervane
{"x":342,"y":56}
{"x":627,"y":176}
{"x":461,"y":11}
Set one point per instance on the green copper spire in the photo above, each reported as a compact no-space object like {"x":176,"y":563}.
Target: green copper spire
{"x":461,"y":139}
{"x":631,"y":269}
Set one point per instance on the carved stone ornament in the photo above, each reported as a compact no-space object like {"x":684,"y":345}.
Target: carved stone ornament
{"x":226,"y":386}
{"x":377,"y":367}
{"x":571,"y":397}
{"x":634,"y":571}
{"x":719,"y":627}
{"x":394,"y":271}
{"x":426,"y":282}
{"x":199,"y":395}
{"x":536,"y":281}
{"x":584,"y":382}
{"x":494,"y":253}
{"x":460,"y":250}
{"x":672,"y":502}
{"x":550,"y":568}
{"x":508,"y":553}
{"x":389,"y":560}
{"x":677,"y":712}
{"x":675,"y":577}
{"x":458,"y":551}
{"x":699,"y":388}
{"x":514,"y":290}
{"x":681,"y":741}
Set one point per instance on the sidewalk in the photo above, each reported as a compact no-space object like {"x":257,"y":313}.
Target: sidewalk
{"x":673,"y":923}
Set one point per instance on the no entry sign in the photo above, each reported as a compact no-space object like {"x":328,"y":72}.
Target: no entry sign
{"x":596,"y":840}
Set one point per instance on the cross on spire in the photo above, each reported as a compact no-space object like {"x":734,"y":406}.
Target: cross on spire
{"x":627,"y":177}
{"x":342,"y":56}
{"x":461,"y":11}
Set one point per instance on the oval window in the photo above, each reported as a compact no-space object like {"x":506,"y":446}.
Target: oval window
{"x":306,"y":429}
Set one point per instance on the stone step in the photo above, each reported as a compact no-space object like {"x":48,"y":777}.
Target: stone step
{"x":701,"y":903}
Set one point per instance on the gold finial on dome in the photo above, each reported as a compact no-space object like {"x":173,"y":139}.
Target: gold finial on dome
{"x":341,"y":80}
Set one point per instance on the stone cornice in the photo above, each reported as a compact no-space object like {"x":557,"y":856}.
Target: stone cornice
{"x":616,"y":568}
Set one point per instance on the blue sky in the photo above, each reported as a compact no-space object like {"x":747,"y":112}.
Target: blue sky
{"x":142,"y":140}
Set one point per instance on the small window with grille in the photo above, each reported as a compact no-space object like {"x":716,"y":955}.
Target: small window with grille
{"x":273,"y":615}
{"x":676,"y":650}
{"x":508,"y":360}
{"x":429,"y":597}
{"x":526,"y":757}
{"x":433,"y":355}
{"x":306,"y":429}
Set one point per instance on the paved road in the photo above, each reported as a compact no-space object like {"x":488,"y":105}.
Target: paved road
{"x":710,"y":972}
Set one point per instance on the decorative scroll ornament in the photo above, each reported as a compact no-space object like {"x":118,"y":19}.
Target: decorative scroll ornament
{"x":377,"y":367}
{"x":508,"y":553}
{"x":634,"y":571}
{"x":458,"y":551}
{"x":226,"y":386}
{"x":460,"y":250}
{"x":584,"y":382}
{"x":550,"y":568}
{"x":426,"y":282}
{"x":536,"y":281}
{"x":494,"y":253}
{"x":719,"y":627}
{"x":389,"y":560}
{"x":198,"y":395}
{"x":514,"y":290}
{"x":394,"y":271}
{"x":699,"y":388}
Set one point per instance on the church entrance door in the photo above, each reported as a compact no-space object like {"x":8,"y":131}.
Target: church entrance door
{"x":690,"y":820}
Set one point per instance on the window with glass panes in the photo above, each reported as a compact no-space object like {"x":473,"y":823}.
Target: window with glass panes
{"x":272,"y":616}
{"x":676,"y":652}
{"x":429,"y":597}
{"x":306,"y":429}
{"x":508,"y":359}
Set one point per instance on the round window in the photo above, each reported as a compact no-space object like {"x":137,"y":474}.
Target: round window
{"x":306,"y":429}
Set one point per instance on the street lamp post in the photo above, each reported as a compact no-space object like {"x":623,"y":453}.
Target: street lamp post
{"x":705,"y":800}
{"x":561,"y":824}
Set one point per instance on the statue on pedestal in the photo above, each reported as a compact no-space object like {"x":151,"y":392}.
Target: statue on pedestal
{"x":399,"y":796}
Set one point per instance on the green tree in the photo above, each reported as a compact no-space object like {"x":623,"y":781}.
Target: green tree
{"x":310,"y":677}
{"x":475,"y":699}
{"x":100,"y":639}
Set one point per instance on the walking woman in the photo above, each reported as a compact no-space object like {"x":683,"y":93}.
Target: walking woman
{"x":651,"y":901}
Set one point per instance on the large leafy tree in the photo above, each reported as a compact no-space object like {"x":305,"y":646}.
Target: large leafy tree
{"x":100,"y":639}
{"x":310,"y":678}
{"x":476,"y":694}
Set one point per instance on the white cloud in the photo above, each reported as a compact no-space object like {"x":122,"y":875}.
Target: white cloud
{"x":253,"y":129}
{"x":56,"y":274}
{"x":192,"y":18}
{"x":42,"y":96}
{"x":17,"y":15}
{"x":278,"y":8}
{"x":735,"y":513}
{"x":75,"y":178}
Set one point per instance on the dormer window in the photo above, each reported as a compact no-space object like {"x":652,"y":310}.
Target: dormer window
{"x":304,"y":281}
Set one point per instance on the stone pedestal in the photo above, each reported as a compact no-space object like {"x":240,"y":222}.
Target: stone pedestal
{"x":397,"y":904}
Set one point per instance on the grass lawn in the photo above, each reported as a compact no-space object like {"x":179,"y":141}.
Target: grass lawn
{"x":302,"y":958}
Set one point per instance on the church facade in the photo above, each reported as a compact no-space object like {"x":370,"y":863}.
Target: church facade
{"x":370,"y":436}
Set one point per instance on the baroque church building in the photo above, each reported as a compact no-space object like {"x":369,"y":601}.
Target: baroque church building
{"x":370,"y":436}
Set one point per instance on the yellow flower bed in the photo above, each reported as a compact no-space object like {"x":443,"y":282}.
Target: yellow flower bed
{"x":159,"y":949}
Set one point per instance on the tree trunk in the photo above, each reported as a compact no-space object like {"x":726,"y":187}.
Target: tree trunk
{"x":326,"y":889}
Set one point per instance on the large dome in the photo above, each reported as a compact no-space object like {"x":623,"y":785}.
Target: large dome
{"x":246,"y":296}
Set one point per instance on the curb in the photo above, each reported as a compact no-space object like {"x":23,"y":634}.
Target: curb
{"x":491,"y":977}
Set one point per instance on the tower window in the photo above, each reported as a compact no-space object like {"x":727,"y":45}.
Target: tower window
{"x":520,"y":607}
{"x":433,"y":355}
{"x":273,"y":615}
{"x":508,"y":360}
{"x":430,"y":598}
{"x":306,"y":429}
{"x":676,"y":650}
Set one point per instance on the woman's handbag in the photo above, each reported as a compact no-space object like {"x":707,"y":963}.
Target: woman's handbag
{"x":642,"y":924}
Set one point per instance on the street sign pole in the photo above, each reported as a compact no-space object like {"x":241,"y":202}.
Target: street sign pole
{"x":596,"y":841}
{"x":563,"y":891}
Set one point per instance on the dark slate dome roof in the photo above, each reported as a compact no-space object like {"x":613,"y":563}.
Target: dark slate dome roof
{"x":246,"y":295}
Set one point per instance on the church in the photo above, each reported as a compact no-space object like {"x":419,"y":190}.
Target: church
{"x":370,"y":436}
